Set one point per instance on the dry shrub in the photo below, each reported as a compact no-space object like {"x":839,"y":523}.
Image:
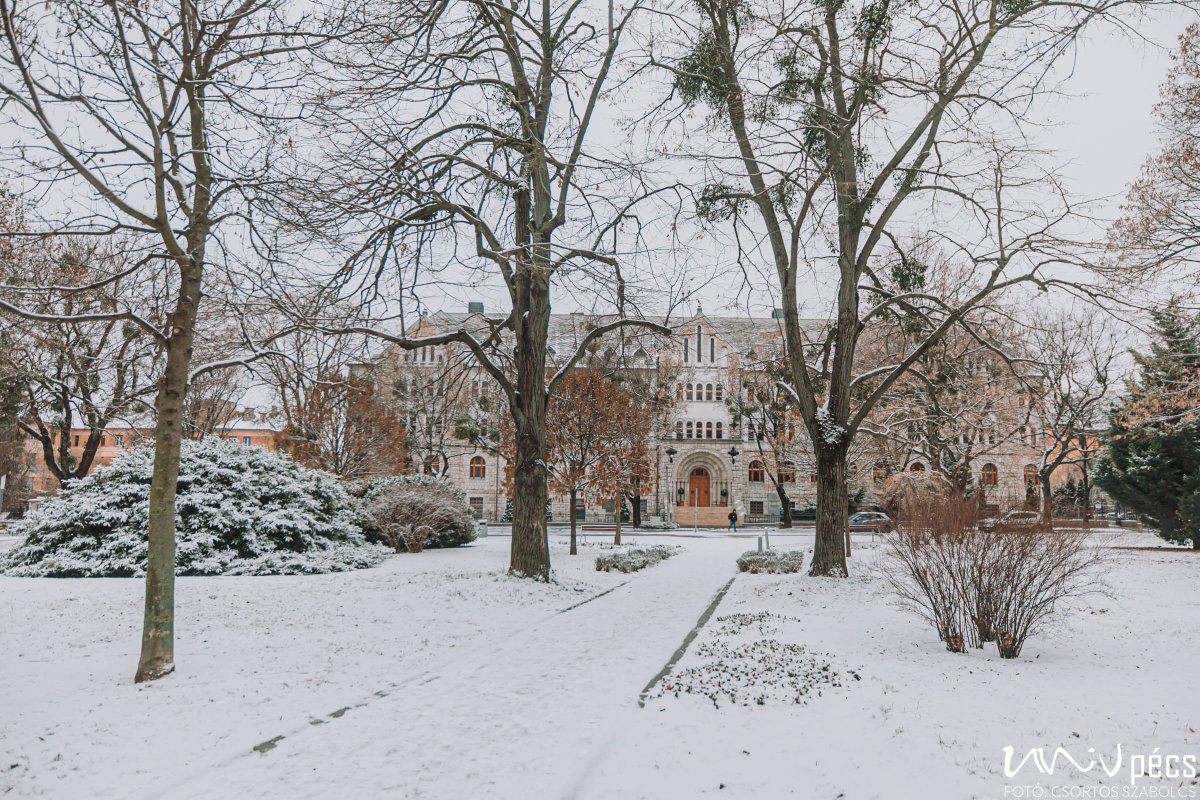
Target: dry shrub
{"x":976,"y":586}
{"x":408,"y":517}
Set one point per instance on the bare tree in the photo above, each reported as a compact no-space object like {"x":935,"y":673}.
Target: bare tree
{"x":462,"y":150}
{"x":78,"y":373}
{"x":1160,"y":226}
{"x":964,"y":399}
{"x":837,"y":127}
{"x":1076,"y":355}
{"x":139,"y":114}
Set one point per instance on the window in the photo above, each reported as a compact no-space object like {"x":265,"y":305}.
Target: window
{"x":787,"y":473}
{"x":989,"y":475}
{"x":708,"y":392}
{"x":679,"y":391}
{"x":246,"y":440}
{"x":712,"y":349}
{"x":720,"y":395}
{"x":720,"y":430}
{"x":478,"y":468}
{"x":708,"y":430}
{"x":756,"y":508}
{"x":678,"y":429}
{"x":689,"y":391}
{"x":118,"y":440}
{"x":699,"y":344}
{"x":1031,"y":476}
{"x":689,"y":430}
{"x":476,"y":507}
{"x":104,"y":441}
{"x":685,"y":351}
{"x":879,"y":473}
{"x":812,"y":477}
{"x":917,"y":467}
{"x":77,"y":440}
{"x":755,"y":472}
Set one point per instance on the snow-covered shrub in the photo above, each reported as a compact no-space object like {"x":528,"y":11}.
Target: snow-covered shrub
{"x":411,"y":513}
{"x":984,"y":585}
{"x":635,"y":559}
{"x":240,"y":511}
{"x":772,"y":561}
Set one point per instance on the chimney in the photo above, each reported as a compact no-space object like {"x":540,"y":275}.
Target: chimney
{"x":777,"y":314}
{"x":474,"y":308}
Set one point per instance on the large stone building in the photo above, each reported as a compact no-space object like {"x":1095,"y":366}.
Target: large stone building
{"x":709,"y":455}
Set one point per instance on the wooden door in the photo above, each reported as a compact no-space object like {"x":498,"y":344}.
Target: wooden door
{"x":699,"y":487}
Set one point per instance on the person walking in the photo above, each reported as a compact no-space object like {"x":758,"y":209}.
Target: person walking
{"x":732,"y":521}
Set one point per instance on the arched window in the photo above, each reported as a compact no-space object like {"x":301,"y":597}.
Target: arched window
{"x":1031,"y":476}
{"x":699,"y":345}
{"x":679,"y":429}
{"x":685,"y":350}
{"x":690,"y":430}
{"x":689,"y":391}
{"x":917,"y":467}
{"x":679,"y":391}
{"x":755,"y":472}
{"x":879,"y":473}
{"x":478,"y":467}
{"x":712,"y":349}
{"x":720,"y":393}
{"x":708,"y":392}
{"x":720,"y":430}
{"x":787,"y":473}
{"x":708,"y":430}
{"x":989,"y":475}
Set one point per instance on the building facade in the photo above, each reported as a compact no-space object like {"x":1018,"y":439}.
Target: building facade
{"x":710,"y":454}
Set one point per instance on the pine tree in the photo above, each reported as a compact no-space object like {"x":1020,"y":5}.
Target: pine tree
{"x":1153,"y":442}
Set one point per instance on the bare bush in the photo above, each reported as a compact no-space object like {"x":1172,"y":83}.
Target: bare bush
{"x":1030,"y":574}
{"x":408,"y":517}
{"x":929,"y":563}
{"x":977,"y":586}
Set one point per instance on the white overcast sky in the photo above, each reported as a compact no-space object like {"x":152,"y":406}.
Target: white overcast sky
{"x":1107,"y":128}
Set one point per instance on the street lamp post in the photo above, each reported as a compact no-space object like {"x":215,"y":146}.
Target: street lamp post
{"x":670,"y":451}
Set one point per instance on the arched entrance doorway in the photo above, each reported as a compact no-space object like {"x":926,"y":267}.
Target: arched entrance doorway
{"x":700,"y":487}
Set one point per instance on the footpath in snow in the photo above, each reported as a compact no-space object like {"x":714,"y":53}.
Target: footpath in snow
{"x":531,"y":717}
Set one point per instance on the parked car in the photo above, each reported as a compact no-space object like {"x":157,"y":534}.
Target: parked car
{"x":1012,"y":521}
{"x":870,"y":522}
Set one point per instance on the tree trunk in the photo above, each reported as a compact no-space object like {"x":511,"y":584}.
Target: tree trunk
{"x":617,"y":516}
{"x":574,"y":548}
{"x":635,"y":510}
{"x":1047,"y":499}
{"x":530,"y":556}
{"x":158,"y":625}
{"x":829,"y":553}
{"x":785,"y":505}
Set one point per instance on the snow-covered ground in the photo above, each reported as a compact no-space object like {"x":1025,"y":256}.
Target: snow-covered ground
{"x":437,"y":676}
